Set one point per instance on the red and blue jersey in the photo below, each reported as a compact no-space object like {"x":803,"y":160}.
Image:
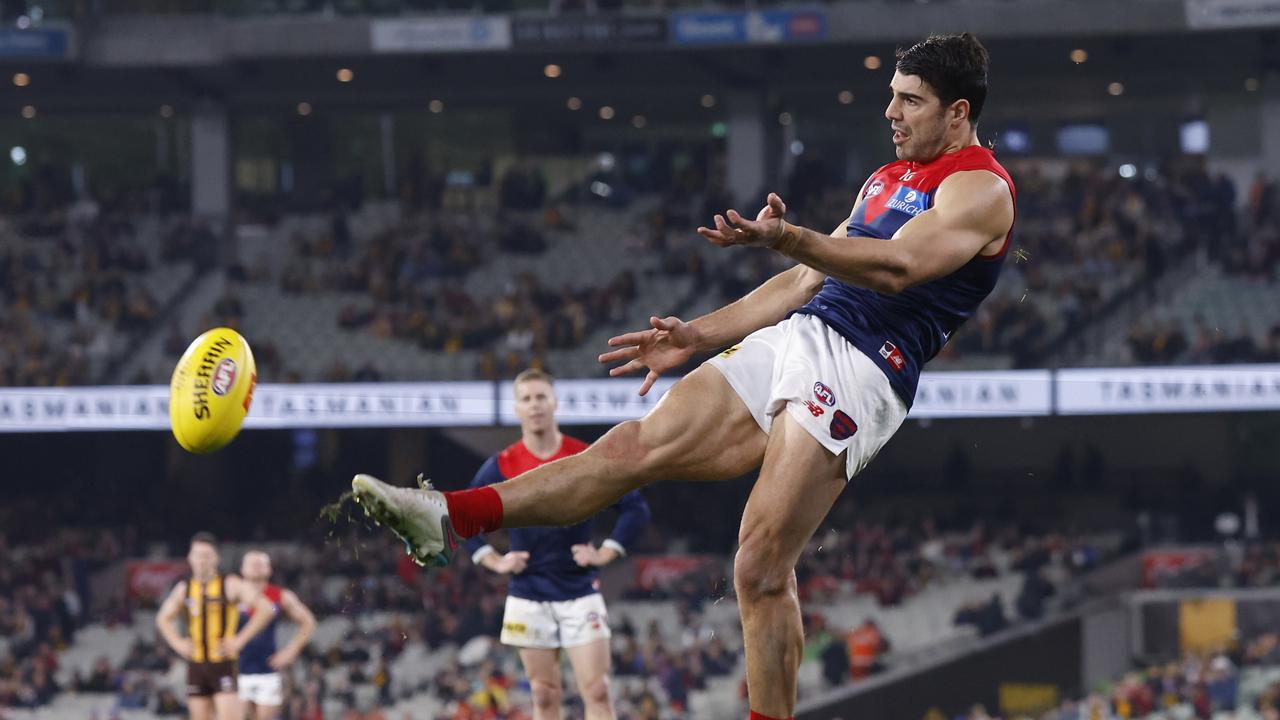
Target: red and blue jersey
{"x":551,"y":575}
{"x":902,"y":332}
{"x":254,"y":655}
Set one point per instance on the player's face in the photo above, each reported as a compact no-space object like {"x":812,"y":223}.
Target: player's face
{"x":203,"y":558}
{"x":536,"y":405}
{"x":917,"y":118}
{"x":255,"y":567}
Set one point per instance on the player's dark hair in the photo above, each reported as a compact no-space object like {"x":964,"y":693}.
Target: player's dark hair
{"x":955,"y":66}
{"x":205,"y":537}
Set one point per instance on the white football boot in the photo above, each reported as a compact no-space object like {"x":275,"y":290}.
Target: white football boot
{"x":420,"y":517}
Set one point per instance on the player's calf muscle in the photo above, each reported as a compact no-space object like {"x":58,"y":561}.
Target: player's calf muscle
{"x":638,"y":453}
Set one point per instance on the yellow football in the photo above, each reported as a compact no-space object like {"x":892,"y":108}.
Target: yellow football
{"x":210,"y":391}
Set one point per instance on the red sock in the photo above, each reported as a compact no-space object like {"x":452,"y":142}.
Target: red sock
{"x":761,"y":716}
{"x":474,"y":511}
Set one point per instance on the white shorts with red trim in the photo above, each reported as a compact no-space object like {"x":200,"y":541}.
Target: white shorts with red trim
{"x":834,"y":391}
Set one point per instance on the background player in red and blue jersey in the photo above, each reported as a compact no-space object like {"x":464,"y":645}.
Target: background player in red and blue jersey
{"x":824,"y":372}
{"x":553,"y":599}
{"x":260,"y":661}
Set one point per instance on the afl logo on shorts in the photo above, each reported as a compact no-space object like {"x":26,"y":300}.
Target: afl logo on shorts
{"x":224,"y":376}
{"x":824,"y":394}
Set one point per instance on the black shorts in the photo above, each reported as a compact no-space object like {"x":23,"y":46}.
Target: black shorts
{"x":206,"y":679}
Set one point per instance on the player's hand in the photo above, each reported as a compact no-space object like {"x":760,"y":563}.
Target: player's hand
{"x":231,"y":646}
{"x":513,"y":563}
{"x":185,"y":648}
{"x":587,"y":555}
{"x":733,"y":229}
{"x":281,"y":659}
{"x":669,"y":343}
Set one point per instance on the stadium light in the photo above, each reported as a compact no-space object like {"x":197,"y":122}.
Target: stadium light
{"x":28,"y":111}
{"x":708,"y":101}
{"x":1115,"y":89}
{"x":871,"y":62}
{"x":345,"y":75}
{"x":304,"y":109}
{"x":21,"y":79}
{"x":785,"y":119}
{"x":574,"y":103}
{"x":1079,"y":56}
{"x":436,"y":106}
{"x":18,"y":155}
{"x":551,"y":71}
{"x":166,"y":111}
{"x":639,"y":121}
{"x":606,"y":113}
{"x":845,"y":97}
{"x":1251,"y":85}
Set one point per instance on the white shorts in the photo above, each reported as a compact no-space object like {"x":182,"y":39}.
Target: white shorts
{"x":569,"y":623}
{"x":262,"y":689}
{"x":830,"y":387}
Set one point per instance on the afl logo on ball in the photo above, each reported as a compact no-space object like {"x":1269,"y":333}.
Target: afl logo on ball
{"x":224,"y":376}
{"x":824,"y":394}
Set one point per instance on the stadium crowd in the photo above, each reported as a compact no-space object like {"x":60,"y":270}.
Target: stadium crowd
{"x":384,"y":606}
{"x":74,"y":293}
{"x":1200,"y":685}
{"x":1086,"y":242}
{"x":43,"y":601}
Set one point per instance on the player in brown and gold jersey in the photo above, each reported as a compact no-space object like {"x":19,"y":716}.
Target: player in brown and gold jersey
{"x":208,"y":599}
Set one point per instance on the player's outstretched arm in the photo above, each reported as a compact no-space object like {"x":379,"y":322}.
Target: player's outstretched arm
{"x":766,"y":305}
{"x":297,"y":611}
{"x":671,"y":342}
{"x":971,"y":210}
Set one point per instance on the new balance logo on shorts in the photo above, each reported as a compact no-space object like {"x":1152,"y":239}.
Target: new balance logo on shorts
{"x":842,"y":426}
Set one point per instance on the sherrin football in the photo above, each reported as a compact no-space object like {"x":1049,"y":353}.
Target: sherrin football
{"x":210,"y":391}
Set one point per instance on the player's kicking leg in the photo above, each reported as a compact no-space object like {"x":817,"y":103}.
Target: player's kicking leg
{"x":700,"y":430}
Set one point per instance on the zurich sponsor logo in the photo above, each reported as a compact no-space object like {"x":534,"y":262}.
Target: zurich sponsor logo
{"x":908,"y":200}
